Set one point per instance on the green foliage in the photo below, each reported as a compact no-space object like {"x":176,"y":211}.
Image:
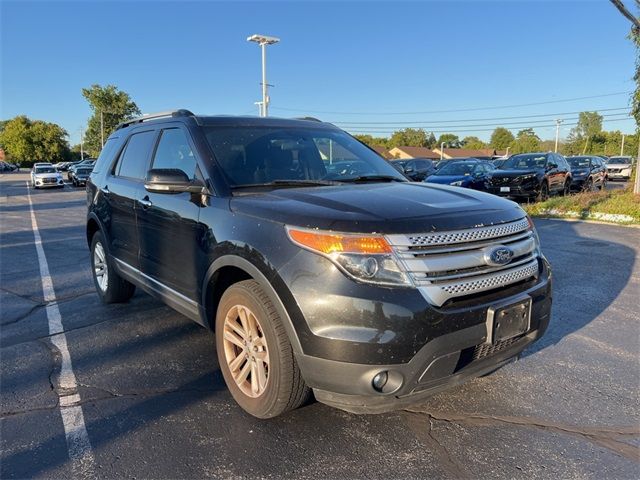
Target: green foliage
{"x":501,"y":138}
{"x":526,"y":141}
{"x":473,"y":143}
{"x":450,"y":141}
{"x":373,"y":141}
{"x":114,"y":105}
{"x":589,"y":125}
{"x":411,"y":137}
{"x":28,"y":141}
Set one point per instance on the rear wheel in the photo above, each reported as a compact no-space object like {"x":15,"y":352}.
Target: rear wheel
{"x":589,"y":186}
{"x":254,"y":353}
{"x":111,"y":287}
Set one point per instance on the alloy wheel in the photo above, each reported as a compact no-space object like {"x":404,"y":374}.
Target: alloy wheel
{"x":246,"y":351}
{"x":100,"y":269}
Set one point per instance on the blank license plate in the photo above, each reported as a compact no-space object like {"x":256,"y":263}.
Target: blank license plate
{"x":505,"y":189}
{"x":512,"y":320}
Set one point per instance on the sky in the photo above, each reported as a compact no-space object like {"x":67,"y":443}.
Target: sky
{"x":370,"y":67}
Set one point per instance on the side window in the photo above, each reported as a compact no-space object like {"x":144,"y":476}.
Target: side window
{"x":174,"y":152}
{"x":107,"y":154}
{"x":133,"y":160}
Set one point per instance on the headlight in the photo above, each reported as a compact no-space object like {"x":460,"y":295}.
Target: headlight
{"x":456,"y":184}
{"x":366,"y":258}
{"x":536,"y":239}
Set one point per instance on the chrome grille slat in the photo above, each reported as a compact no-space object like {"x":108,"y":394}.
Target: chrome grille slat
{"x":462,"y":236}
{"x":445,"y":265}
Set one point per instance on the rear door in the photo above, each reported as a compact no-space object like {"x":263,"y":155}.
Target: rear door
{"x":171,"y":238}
{"x":121,"y":189}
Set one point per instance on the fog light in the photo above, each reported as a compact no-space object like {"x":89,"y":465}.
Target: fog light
{"x":379,"y":381}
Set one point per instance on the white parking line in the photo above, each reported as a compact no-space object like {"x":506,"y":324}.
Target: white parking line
{"x":78,"y":444}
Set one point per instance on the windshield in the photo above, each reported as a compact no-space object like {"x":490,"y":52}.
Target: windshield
{"x":45,"y":170}
{"x":459,"y":168}
{"x":620,"y":160}
{"x":525,"y":162}
{"x":579,"y":162}
{"x":262,"y":155}
{"x":84,"y":171}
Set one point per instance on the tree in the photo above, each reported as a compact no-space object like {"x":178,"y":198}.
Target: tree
{"x":28,"y":141}
{"x":114,"y":106}
{"x":473,"y":143}
{"x":450,"y":140}
{"x":501,"y":138}
{"x":409,"y":137}
{"x":589,"y":124}
{"x":373,"y":141}
{"x":525,"y":141}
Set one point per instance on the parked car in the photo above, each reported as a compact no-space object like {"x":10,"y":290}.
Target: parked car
{"x":80,"y":176}
{"x":531,"y":176}
{"x":468,"y":173}
{"x":498,"y":162}
{"x":62,"y":166}
{"x":619,"y":168}
{"x":7,"y":167}
{"x":42,"y":164}
{"x":45,"y":176}
{"x":372,"y":291}
{"x":90,"y":162}
{"x":587,"y":172}
{"x":417,"y":169}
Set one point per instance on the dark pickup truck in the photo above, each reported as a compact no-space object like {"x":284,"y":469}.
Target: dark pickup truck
{"x":320,"y":268}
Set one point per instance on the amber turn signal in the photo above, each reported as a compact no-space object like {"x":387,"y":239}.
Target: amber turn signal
{"x":337,"y":243}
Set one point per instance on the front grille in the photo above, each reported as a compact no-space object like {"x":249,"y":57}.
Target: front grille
{"x":615,"y":170}
{"x":446,"y":265}
{"x":486,"y":349}
{"x":49,"y":180}
{"x":498,"y":181}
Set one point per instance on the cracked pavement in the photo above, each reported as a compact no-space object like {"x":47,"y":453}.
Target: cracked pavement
{"x":155,"y":404}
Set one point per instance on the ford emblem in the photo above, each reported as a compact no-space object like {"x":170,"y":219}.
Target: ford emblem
{"x":499,"y":256}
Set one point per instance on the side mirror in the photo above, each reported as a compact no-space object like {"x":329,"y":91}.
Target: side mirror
{"x":172,"y":180}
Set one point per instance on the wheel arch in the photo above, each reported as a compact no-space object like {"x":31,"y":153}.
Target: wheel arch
{"x":230,"y":269}
{"x":93,"y":226}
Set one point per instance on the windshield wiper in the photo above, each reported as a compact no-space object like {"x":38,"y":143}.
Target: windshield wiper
{"x":371,"y":178}
{"x":287,"y":183}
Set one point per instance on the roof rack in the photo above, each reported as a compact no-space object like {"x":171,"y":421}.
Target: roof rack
{"x":311,"y":119}
{"x":152,"y":116}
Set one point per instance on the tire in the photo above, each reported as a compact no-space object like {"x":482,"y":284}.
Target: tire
{"x":544,"y":192}
{"x":566,"y":190}
{"x":267,"y":389}
{"x":589,"y":186}
{"x":603,"y":184}
{"x":116,"y":289}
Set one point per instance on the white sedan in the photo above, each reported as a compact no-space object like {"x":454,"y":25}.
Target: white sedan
{"x":46,"y":176}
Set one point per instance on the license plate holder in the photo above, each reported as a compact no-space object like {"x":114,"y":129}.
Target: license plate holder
{"x":505,"y":189}
{"x":508,"y":321}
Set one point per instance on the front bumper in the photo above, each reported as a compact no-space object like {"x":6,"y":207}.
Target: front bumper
{"x":42,"y":184}
{"x":518,"y":191}
{"x":357,"y":331}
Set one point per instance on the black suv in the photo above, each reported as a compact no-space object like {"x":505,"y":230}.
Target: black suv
{"x":588,"y":172}
{"x":531,"y":176}
{"x":318,"y":265}
{"x":417,"y":169}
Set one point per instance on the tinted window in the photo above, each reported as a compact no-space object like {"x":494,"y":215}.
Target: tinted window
{"x":423,"y":164}
{"x":174,"y":152}
{"x":106,"y":155}
{"x":133,"y":160}
{"x":458,"y":168}
{"x":525,"y":161}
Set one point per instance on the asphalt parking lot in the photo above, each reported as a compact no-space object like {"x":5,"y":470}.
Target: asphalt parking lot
{"x":155,"y":406}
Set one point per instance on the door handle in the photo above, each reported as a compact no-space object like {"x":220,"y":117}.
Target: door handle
{"x":145,"y":203}
{"x":105,"y":190}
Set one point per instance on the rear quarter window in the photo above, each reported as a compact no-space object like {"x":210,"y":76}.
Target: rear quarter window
{"x":107,"y":154}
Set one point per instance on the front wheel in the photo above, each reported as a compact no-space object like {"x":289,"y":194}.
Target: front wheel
{"x":254,"y":353}
{"x":589,"y":186}
{"x":566,"y":190}
{"x":544,"y":192}
{"x":111,"y":287}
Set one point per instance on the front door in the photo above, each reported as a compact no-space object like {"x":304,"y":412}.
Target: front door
{"x":170,"y":234}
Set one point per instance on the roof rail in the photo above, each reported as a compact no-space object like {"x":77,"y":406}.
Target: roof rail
{"x":152,"y":116}
{"x":311,"y":119}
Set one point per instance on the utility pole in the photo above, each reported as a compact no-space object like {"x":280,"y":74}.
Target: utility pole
{"x":263,"y":41}
{"x":636,"y":186}
{"x":81,"y":143}
{"x":622,"y":146}
{"x":441,"y":150}
{"x":558,"y":122}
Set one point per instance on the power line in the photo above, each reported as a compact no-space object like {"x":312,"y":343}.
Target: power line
{"x":436,"y":126}
{"x":456,"y":110}
{"x":368,"y":131}
{"x":553,"y":115}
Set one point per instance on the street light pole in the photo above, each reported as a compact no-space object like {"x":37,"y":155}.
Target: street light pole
{"x":622,"y":146}
{"x":263,"y":41}
{"x":81,"y":143}
{"x":558,"y":122}
{"x":441,"y":150}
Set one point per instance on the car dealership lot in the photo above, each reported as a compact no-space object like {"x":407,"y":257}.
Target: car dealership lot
{"x":155,"y":405}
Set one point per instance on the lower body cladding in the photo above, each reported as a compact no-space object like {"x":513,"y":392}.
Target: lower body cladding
{"x":461,"y":342}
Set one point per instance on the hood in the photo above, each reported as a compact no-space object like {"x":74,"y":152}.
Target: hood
{"x":47,"y":175}
{"x":382,"y":207}
{"x":447,"y":179}
{"x":619,"y":165}
{"x":515,"y":173}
